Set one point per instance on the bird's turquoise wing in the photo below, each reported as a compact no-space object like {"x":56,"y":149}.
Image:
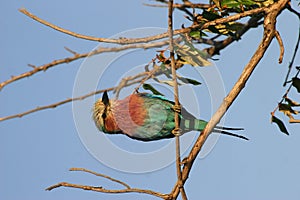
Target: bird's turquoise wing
{"x":159,"y":121}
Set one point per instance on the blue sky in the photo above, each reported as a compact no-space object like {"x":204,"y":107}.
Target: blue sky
{"x":37,"y":150}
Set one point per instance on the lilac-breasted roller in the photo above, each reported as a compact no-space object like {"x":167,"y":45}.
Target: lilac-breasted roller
{"x":146,"y":117}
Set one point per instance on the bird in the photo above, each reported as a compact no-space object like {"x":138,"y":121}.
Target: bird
{"x":146,"y":117}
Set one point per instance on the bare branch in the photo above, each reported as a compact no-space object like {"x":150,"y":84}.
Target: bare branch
{"x":54,"y":105}
{"x":185,"y":4}
{"x":124,"y":82}
{"x":71,"y":51}
{"x":101,"y":175}
{"x":24,"y":11}
{"x":293,"y":58}
{"x":128,"y":81}
{"x":277,"y":35}
{"x":177,"y":107}
{"x":103,"y":190}
{"x":42,"y":68}
{"x":183,"y":7}
{"x":293,"y":11}
{"x":85,"y":37}
{"x":269,"y":33}
{"x":79,"y":56}
{"x":150,"y":38}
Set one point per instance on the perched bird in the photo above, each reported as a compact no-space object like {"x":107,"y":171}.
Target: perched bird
{"x":146,"y":117}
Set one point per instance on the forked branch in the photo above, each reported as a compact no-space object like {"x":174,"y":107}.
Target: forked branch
{"x":269,"y":33}
{"x":103,"y":190}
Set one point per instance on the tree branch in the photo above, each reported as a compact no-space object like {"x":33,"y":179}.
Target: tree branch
{"x":103,"y":190}
{"x":54,"y":105}
{"x":179,"y":6}
{"x":79,"y":56}
{"x":127,"y":41}
{"x":101,"y":175}
{"x":269,"y":33}
{"x":177,"y":109}
{"x":278,"y":37}
{"x":150,"y":38}
{"x":294,"y":54}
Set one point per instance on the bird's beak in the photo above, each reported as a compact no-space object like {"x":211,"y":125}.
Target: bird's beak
{"x":105,"y":98}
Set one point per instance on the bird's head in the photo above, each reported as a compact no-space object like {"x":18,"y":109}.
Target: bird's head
{"x":101,"y":110}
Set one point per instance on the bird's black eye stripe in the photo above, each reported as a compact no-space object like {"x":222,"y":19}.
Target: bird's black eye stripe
{"x":104,"y":115}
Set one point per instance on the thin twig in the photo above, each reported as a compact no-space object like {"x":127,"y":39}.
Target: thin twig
{"x":293,"y":11}
{"x":85,"y":37}
{"x":103,"y":190}
{"x":81,"y":36}
{"x":180,"y":6}
{"x":54,"y":105}
{"x":285,"y":95}
{"x":79,"y":56}
{"x":278,"y":37}
{"x":293,"y":58}
{"x":176,"y":131}
{"x":101,"y":175}
{"x":269,"y":33}
{"x":71,"y":51}
{"x":150,"y":38}
{"x":124,"y":82}
{"x":41,"y":68}
{"x":150,"y":74}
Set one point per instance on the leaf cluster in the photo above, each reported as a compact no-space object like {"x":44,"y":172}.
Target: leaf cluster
{"x":288,"y":106}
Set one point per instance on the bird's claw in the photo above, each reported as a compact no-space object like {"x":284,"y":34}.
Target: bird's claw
{"x":177,"y":131}
{"x":177,"y":108}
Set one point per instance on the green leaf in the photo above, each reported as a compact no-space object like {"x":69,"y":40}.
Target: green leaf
{"x":216,"y":29}
{"x":238,"y":3}
{"x":291,"y":102}
{"x":192,"y":55}
{"x":294,"y":121}
{"x":287,"y":109}
{"x":170,"y":82}
{"x":262,"y":3}
{"x":228,"y":28}
{"x":196,"y":34}
{"x":188,"y":80}
{"x":210,"y":15}
{"x":230,"y":3}
{"x":152,"y":89}
{"x":234,"y":26}
{"x":280,"y":124}
{"x":296,"y":83}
